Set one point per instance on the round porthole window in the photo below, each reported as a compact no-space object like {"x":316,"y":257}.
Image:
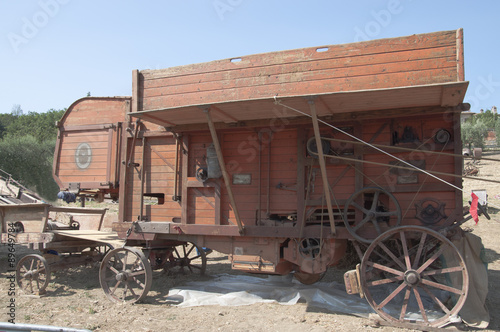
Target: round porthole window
{"x":83,"y":155}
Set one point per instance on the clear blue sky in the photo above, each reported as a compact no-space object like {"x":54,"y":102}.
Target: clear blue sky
{"x":52,"y":52}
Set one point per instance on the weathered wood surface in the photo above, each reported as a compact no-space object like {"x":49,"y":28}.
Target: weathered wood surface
{"x":94,"y":124}
{"x":278,"y":182}
{"x":89,"y":235}
{"x":96,"y":110}
{"x":386,"y":64}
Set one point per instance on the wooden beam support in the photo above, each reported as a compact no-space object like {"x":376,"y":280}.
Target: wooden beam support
{"x":157,"y":120}
{"x":142,"y":175}
{"x":227,"y":118}
{"x":135,"y":91}
{"x":184,"y":176}
{"x":225,"y":174}
{"x":322,"y":165}
{"x":45,"y":218}
{"x":325,"y":105}
{"x":460,"y":55}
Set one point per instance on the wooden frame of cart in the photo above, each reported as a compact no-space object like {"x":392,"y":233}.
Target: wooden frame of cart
{"x":64,"y":236}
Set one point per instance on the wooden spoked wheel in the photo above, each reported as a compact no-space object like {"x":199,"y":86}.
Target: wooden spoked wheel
{"x":185,"y":259}
{"x":100,"y":251}
{"x":33,"y":274}
{"x":375,"y":210}
{"x":103,"y":249}
{"x":412,"y":274}
{"x":125,"y":275}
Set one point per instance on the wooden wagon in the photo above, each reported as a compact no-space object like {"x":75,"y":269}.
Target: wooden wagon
{"x":279,"y":160}
{"x":64,"y":236}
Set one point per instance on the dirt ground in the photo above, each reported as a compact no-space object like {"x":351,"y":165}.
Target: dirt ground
{"x":75,"y":299}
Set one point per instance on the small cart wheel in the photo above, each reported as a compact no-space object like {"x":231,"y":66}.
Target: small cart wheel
{"x":187,"y":258}
{"x":103,"y":249}
{"x":414,"y":275}
{"x":125,"y":275}
{"x":33,"y":274}
{"x":308,"y":278}
{"x":378,"y":208}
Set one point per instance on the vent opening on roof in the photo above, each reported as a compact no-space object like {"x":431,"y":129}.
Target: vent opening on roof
{"x":322,"y":49}
{"x":235,"y":60}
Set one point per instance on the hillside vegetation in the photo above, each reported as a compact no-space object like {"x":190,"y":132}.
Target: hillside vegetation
{"x":27,"y":143}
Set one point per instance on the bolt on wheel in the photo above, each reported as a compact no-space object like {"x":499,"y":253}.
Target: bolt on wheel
{"x":125,"y":275}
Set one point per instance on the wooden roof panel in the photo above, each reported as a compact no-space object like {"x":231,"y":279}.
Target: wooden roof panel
{"x":450,"y":94}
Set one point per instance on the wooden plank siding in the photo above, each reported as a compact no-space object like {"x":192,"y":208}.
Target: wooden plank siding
{"x":96,"y":123}
{"x":241,"y":151}
{"x":159,"y":175}
{"x":96,"y":110}
{"x":387,"y":63}
{"x":246,"y":153}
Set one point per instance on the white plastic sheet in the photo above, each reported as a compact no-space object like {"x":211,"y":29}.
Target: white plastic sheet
{"x":237,"y":290}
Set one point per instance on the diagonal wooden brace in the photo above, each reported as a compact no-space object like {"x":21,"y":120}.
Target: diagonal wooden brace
{"x":322,"y":165}
{"x":220,"y":158}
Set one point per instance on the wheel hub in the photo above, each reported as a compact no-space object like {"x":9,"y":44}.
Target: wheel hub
{"x":184,"y":262}
{"x":412,"y":278}
{"x":122,"y":276}
{"x":30,"y":275}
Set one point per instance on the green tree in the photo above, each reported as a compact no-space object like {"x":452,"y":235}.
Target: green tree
{"x":30,"y":162}
{"x":39,"y":125}
{"x":474,"y":133}
{"x":487,"y":117}
{"x":27,"y":144}
{"x":5,"y":121}
{"x":497,"y":130}
{"x":16,"y":110}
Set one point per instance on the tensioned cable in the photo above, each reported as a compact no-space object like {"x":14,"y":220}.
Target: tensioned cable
{"x":278,"y":102}
{"x":368,"y":144}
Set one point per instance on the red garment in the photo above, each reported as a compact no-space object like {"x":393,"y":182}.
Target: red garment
{"x":473,"y":208}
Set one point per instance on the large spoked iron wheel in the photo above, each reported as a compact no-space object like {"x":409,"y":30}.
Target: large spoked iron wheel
{"x":185,"y":259}
{"x":125,"y":275}
{"x":33,"y":274}
{"x":375,"y":210}
{"x":414,"y":275}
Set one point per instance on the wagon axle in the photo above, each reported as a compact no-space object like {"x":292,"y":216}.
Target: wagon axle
{"x":412,"y":278}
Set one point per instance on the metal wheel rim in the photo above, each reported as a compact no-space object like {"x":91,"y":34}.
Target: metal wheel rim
{"x":370,"y":219}
{"x":420,"y":276}
{"x":185,"y":259}
{"x":125,"y":275}
{"x":33,"y":274}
